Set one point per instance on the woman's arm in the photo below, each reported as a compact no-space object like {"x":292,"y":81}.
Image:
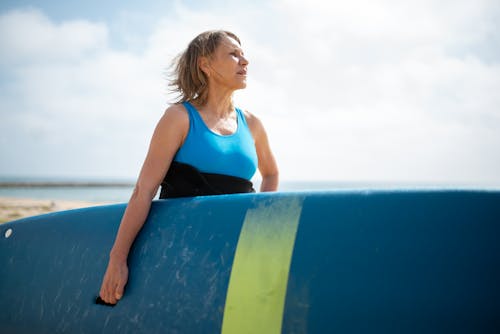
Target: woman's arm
{"x":268,"y":167}
{"x":167,"y":138}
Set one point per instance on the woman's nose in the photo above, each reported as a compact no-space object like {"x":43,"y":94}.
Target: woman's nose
{"x":243,"y":60}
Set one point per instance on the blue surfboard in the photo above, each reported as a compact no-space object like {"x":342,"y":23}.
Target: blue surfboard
{"x":305,"y":262}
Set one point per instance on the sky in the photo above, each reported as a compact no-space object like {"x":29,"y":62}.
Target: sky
{"x":348,"y":91}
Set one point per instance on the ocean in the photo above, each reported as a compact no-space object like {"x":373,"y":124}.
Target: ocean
{"x":117,"y":191}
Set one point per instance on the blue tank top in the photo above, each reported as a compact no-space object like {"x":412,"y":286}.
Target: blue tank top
{"x":210,"y":152}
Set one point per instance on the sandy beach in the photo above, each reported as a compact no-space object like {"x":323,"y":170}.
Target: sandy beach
{"x":15,"y":208}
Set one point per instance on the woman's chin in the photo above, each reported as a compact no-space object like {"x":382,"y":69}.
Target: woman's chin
{"x":240,"y":84}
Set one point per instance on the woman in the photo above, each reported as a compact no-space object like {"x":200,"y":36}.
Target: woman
{"x":202,"y":137}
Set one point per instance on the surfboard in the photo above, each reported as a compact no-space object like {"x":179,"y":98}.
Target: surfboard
{"x":305,"y":262}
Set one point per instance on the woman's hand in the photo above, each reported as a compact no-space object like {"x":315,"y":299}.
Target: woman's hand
{"x":114,"y":281}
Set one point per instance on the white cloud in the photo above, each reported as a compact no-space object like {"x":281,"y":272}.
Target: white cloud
{"x":359,"y":90}
{"x":28,"y":36}
{"x":74,"y":105}
{"x":388,"y":93}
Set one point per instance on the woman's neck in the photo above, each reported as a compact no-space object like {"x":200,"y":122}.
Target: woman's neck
{"x":219,"y":103}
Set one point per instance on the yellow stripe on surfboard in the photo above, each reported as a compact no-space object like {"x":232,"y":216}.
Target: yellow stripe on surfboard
{"x":257,"y":287}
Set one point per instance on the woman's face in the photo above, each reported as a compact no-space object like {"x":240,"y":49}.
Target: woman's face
{"x":228,"y":65}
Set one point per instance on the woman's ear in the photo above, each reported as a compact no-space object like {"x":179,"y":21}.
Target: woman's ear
{"x":204,"y":64}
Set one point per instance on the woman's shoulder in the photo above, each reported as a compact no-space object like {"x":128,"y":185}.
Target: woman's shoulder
{"x":177,"y":110}
{"x":174,"y":118}
{"x":254,"y":123}
{"x":176,"y":113}
{"x":249,"y":117}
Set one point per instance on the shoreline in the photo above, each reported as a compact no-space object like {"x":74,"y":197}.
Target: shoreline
{"x":65,"y":184}
{"x":13,"y":208}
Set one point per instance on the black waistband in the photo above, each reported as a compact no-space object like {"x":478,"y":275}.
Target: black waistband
{"x":183,"y":180}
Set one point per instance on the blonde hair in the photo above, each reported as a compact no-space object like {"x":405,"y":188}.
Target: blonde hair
{"x":189,"y":81}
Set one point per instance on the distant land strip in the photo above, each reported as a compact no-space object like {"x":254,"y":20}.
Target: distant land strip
{"x":63,"y":184}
